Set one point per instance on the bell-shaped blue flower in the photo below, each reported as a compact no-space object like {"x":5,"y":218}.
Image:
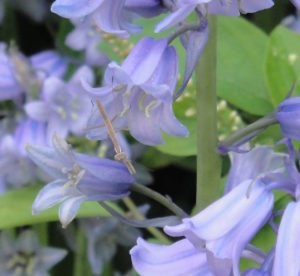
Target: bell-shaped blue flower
{"x":182,"y":8}
{"x":16,"y":169}
{"x":103,"y":236}
{"x":86,"y":37}
{"x":179,"y":258}
{"x":64,"y":106}
{"x":147,"y":8}
{"x":228,"y":225}
{"x":258,"y":162}
{"x":109,"y":16}
{"x":77,"y":178}
{"x":26,"y":256}
{"x":20,"y":74}
{"x":287,"y":254}
{"x":138,"y":95}
{"x":288,"y":116}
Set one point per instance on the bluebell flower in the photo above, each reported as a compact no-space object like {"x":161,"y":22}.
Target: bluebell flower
{"x":182,"y":8}
{"x":258,"y":162}
{"x":179,"y":258}
{"x":108,"y":15}
{"x":147,"y":8}
{"x":77,"y":178}
{"x":287,"y":252}
{"x":48,"y":63}
{"x":9,"y":86}
{"x":138,"y":95}
{"x":16,"y":169}
{"x":287,"y":115}
{"x":103,"y":237}
{"x":228,"y":225}
{"x":64,"y":106}
{"x":25,"y":255}
{"x":86,"y":37}
{"x":20,"y":74}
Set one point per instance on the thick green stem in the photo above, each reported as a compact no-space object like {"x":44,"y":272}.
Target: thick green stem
{"x":208,"y":159}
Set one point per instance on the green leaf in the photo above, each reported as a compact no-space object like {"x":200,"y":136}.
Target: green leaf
{"x":240,"y":71}
{"x":16,"y":205}
{"x":282,"y":63}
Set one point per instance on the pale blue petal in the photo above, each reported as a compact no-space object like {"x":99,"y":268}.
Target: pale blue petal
{"x":229,"y":8}
{"x":109,"y":18}
{"x":73,"y":9}
{"x":69,"y":208}
{"x":195,"y":44}
{"x":83,"y":73}
{"x":167,"y":121}
{"x":50,"y":195}
{"x":175,"y":17}
{"x":223,"y":215}
{"x":251,"y":6}
{"x":50,"y":256}
{"x":104,"y":169}
{"x":178,"y":259}
{"x":56,"y":126}
{"x":249,"y":165}
{"x":49,"y":62}
{"x":47,"y":160}
{"x":51,"y":88}
{"x":143,"y":128}
{"x":38,"y":110}
{"x":287,"y":254}
{"x":62,"y":149}
{"x":30,"y":132}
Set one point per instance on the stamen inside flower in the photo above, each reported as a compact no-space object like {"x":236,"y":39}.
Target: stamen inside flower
{"x":150,"y":106}
{"x":74,"y":176}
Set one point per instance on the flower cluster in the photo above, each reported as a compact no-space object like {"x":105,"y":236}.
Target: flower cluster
{"x":51,"y":99}
{"x":26,"y":256}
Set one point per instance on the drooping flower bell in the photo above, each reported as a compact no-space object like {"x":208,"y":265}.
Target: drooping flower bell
{"x":258,"y":162}
{"x":288,"y":116}
{"x":182,"y":8}
{"x":16,"y":169}
{"x":287,"y":252}
{"x":77,"y":178}
{"x":138,"y":95}
{"x":86,"y":37}
{"x":26,"y":256}
{"x":147,"y":8}
{"x":179,"y":258}
{"x":103,"y":236}
{"x":20,"y":74}
{"x":228,"y":225}
{"x":108,"y":15}
{"x":64,"y":106}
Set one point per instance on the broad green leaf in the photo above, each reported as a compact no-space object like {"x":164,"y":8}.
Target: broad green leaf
{"x":240,"y":71}
{"x":282,"y":63}
{"x":185,"y":111}
{"x":15,"y":209}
